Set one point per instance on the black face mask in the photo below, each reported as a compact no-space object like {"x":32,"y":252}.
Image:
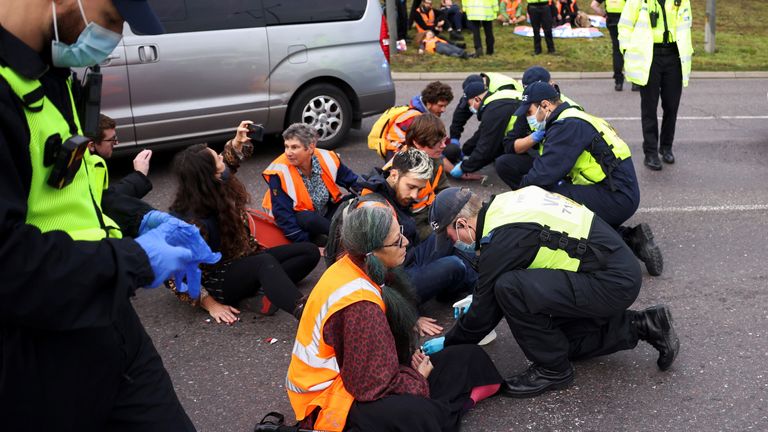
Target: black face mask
{"x":225,"y":175}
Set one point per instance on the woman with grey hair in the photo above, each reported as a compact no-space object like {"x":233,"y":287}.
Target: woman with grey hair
{"x":304,"y":186}
{"x":365,"y":373}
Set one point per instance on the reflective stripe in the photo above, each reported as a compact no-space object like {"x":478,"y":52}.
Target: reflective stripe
{"x":634,"y":56}
{"x":637,"y":75}
{"x":286,"y":172}
{"x":329,"y":162}
{"x":317,"y":387}
{"x":686,"y":58}
{"x":626,"y":22}
{"x":642,"y":25}
{"x":309,"y":353}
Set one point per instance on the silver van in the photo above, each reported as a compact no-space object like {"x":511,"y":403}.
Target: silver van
{"x":275,"y":62}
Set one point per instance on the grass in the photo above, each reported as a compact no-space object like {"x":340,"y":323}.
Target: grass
{"x":741,"y":41}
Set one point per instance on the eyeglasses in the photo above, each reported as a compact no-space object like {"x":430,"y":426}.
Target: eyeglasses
{"x":399,"y":242}
{"x":112,"y":140}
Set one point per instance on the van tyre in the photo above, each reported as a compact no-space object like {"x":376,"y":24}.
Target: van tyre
{"x":327,"y":109}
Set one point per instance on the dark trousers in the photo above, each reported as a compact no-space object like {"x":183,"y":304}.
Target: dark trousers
{"x":489,"y":39}
{"x":449,"y":50}
{"x":511,"y":167}
{"x":316,"y":224}
{"x":438,"y":273}
{"x":89,"y":380}
{"x":557,"y":316}
{"x":666,"y":80}
{"x":454,"y":16}
{"x":541,"y":16}
{"x":402,"y":19}
{"x":618,"y":59}
{"x":614,"y":207}
{"x":276,"y":271}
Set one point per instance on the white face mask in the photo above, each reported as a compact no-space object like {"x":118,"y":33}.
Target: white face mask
{"x":468,"y":248}
{"x":92,"y":47}
{"x":540,"y":125}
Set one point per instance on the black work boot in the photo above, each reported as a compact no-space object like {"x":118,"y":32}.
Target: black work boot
{"x":640,"y":240}
{"x":535,"y":381}
{"x":654,"y":325}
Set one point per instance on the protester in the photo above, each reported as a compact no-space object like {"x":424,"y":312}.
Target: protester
{"x":354,"y":364}
{"x":304,"y":186}
{"x":425,"y":18}
{"x":432,"y":44}
{"x":210,"y":196}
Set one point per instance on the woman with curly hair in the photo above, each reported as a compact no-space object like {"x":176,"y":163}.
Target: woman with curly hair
{"x":210,"y":196}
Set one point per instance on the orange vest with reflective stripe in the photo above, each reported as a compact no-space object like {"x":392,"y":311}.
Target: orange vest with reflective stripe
{"x":395,"y":135}
{"x":293,"y":185}
{"x":429,"y":20}
{"x":426,"y":195}
{"x":314,"y":376}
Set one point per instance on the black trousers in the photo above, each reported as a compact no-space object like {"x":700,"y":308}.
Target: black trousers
{"x":541,"y":16}
{"x":618,"y":59}
{"x":402,"y":19}
{"x":276,"y":271}
{"x":94,"y":379}
{"x":557,"y":316}
{"x":512,"y":167}
{"x":489,"y":39}
{"x":665,"y":79}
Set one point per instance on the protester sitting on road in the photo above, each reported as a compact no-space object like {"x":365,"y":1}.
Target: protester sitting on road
{"x":210,"y":196}
{"x":135,"y":184}
{"x":354,"y":364}
{"x":304,"y":186}
{"x":427,"y":133}
{"x":432,"y":44}
{"x":560,"y":275}
{"x":433,"y":273}
{"x":583,"y":158}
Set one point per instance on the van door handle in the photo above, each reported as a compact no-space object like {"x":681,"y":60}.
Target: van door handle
{"x":108,"y":61}
{"x":148,"y":53}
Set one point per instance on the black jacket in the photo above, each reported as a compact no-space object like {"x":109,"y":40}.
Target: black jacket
{"x":376,"y":182}
{"x":486,"y":144}
{"x":135,"y":184}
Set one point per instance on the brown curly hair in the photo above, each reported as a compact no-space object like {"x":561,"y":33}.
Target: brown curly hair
{"x":200,"y":195}
{"x":435,"y":92}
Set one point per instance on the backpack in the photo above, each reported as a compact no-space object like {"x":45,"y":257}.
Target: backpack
{"x":377,"y":138}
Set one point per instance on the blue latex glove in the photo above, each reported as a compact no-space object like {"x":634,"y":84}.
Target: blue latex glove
{"x":455,"y":141}
{"x":462,"y":306}
{"x":456,"y":172}
{"x":433,"y":345}
{"x":152,"y":220}
{"x":538,"y":135}
{"x":164,"y":258}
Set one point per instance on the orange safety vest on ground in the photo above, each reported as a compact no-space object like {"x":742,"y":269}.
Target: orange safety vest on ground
{"x":314,"y":376}
{"x":395,"y":135}
{"x":429,"y":20}
{"x":293,"y":185}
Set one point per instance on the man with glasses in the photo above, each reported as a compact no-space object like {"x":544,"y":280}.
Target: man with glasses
{"x":135,"y":184}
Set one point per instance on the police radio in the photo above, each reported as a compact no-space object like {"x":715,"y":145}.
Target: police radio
{"x":90,"y":103}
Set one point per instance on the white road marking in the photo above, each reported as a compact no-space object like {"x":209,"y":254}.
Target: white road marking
{"x":705,"y":209}
{"x":765,"y":117}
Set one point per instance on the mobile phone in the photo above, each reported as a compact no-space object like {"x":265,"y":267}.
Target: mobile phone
{"x":255,"y":132}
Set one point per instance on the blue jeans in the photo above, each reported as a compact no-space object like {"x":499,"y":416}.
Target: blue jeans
{"x":438,"y":273}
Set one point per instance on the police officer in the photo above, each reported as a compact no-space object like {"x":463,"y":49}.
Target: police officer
{"x":612,"y":12}
{"x":559,"y":274}
{"x":74,"y":353}
{"x":655,"y":36}
{"x":540,"y":12}
{"x":495,"y":111}
{"x":583,"y":158}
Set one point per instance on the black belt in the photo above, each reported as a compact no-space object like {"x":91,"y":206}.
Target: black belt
{"x":665,"y":49}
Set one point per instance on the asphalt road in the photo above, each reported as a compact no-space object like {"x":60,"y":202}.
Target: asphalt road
{"x":709,"y":212}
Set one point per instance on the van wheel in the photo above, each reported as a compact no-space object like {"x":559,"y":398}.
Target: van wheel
{"x":327,"y":109}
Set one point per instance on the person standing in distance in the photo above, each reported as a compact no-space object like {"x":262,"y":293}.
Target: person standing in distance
{"x":612,"y":12}
{"x":74,"y":354}
{"x":540,"y":12}
{"x":655,"y":36}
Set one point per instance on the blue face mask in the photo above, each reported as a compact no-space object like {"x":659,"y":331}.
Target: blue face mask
{"x":462,"y":246}
{"x":472,"y":109}
{"x":540,"y":125}
{"x":532,"y":123}
{"x":92,"y":47}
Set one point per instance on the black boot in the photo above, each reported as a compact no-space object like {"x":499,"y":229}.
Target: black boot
{"x":640,"y":240}
{"x":535,"y":381}
{"x":299,"y":309}
{"x":654,"y":325}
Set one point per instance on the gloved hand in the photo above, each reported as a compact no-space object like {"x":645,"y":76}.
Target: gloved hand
{"x":455,"y":141}
{"x":456,"y":172}
{"x":164,"y":258}
{"x":180,"y":233}
{"x":152,"y":219}
{"x":538,"y":135}
{"x":433,"y":345}
{"x":462,"y":306}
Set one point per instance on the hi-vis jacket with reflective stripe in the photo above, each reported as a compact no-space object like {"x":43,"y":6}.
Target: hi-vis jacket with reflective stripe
{"x":565,"y":224}
{"x":314,"y":376}
{"x":481,"y":10}
{"x":498,"y":81}
{"x":293,"y":185}
{"x":637,"y":37}
{"x":74,"y":209}
{"x":614,"y":6}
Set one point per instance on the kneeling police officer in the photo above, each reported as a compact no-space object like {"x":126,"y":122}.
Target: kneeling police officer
{"x":560,"y":275}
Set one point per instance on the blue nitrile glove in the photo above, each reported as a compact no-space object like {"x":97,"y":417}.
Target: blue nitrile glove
{"x":433,"y":345}
{"x":153,"y":219}
{"x":538,"y":135}
{"x":163,"y":258}
{"x":462,"y":306}
{"x":456,"y":172}
{"x":180,"y":233}
{"x":455,"y":141}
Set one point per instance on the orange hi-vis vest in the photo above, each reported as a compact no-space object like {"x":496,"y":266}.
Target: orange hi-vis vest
{"x":572,"y":7}
{"x":430,"y":44}
{"x":314,"y":376}
{"x":396,"y":135}
{"x":426,"y":195}
{"x":511,"y":6}
{"x":429,"y":20}
{"x":293,"y":185}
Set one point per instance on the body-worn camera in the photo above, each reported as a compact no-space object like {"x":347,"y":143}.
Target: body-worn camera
{"x":255,"y":132}
{"x":654,"y":16}
{"x":64,"y":158}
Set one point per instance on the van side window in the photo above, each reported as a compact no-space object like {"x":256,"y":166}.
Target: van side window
{"x":182,"y":16}
{"x":284,"y":12}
